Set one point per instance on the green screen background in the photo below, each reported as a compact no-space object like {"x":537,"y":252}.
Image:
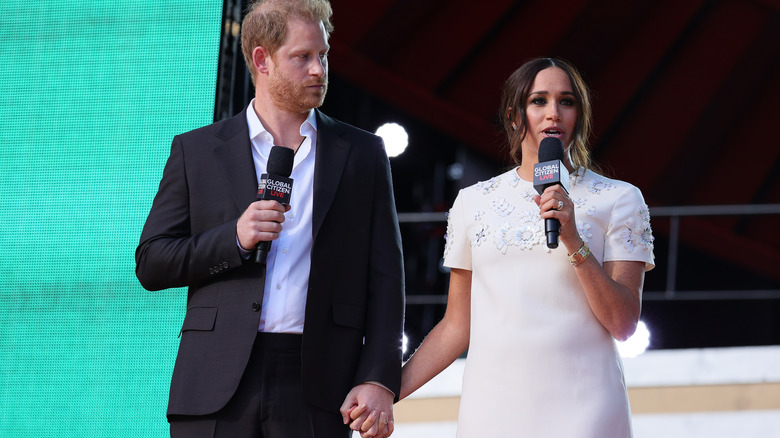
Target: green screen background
{"x":91,"y":94}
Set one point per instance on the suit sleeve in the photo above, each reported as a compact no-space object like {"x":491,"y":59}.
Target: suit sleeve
{"x":170,"y":252}
{"x":382,"y":354}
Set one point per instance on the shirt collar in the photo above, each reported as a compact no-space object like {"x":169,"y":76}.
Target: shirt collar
{"x":256,"y":128}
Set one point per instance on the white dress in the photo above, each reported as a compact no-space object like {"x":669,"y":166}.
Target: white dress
{"x":539,"y":362}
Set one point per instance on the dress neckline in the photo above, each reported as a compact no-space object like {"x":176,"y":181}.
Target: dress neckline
{"x":575,"y":176}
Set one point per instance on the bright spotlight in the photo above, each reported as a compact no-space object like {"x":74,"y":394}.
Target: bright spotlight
{"x":395,"y":137}
{"x":637,"y":343}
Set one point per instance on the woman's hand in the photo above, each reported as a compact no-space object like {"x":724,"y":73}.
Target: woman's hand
{"x":556,"y":203}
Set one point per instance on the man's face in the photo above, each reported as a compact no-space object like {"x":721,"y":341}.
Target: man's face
{"x":298,"y":71}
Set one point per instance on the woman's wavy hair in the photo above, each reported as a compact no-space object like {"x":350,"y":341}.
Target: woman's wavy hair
{"x":514,"y":99}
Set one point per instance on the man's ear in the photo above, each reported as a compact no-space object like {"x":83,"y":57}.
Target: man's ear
{"x":260,"y":58}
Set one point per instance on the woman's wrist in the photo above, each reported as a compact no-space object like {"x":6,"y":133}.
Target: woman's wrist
{"x":579,"y":256}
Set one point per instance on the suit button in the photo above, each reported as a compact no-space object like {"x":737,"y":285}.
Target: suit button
{"x":256,"y":307}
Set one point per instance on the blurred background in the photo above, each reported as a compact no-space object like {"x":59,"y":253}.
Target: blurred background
{"x":685,"y":102}
{"x":684,"y":93}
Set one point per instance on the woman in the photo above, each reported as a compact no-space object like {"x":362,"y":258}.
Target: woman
{"x":540,"y":324}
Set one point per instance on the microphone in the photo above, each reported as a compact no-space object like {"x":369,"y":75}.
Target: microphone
{"x":275,"y":185}
{"x":549,"y":171}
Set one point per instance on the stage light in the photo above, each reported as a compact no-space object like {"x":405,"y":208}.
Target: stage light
{"x":395,"y":137}
{"x":637,"y":343}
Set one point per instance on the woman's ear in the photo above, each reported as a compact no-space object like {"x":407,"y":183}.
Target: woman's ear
{"x":509,"y":117}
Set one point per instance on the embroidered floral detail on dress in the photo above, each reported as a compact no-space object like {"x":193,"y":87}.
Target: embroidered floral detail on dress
{"x":525,"y":233}
{"x":514,"y":179}
{"x":575,"y":177}
{"x":501,"y":206}
{"x":479,"y":234}
{"x":644,"y":213}
{"x":578,"y":201}
{"x":488,"y":186}
{"x":597,"y":185}
{"x":529,"y":194}
{"x":638,"y":235}
{"x":591,"y":211}
{"x":448,"y":235}
{"x":584,"y":230}
{"x":478,"y":215}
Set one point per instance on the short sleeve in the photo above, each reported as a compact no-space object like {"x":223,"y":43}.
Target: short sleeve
{"x":629,"y":236}
{"x":457,"y":249}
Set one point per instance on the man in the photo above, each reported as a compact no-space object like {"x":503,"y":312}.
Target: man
{"x":275,"y":351}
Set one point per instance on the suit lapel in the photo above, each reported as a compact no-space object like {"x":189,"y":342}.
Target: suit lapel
{"x":331,"y":157}
{"x":234,"y":154}
{"x":235,"y":157}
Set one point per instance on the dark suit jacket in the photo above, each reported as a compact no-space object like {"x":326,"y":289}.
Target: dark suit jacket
{"x":354,"y":309}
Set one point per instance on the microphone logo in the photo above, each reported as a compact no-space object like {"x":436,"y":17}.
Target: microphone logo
{"x":547,"y":172}
{"x":275,"y":187}
{"x":550,"y":173}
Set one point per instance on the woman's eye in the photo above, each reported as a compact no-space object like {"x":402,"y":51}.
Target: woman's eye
{"x":567,"y":102}
{"x":538,"y":101}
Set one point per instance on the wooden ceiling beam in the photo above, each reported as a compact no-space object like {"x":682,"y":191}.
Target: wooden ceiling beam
{"x":449,"y":38}
{"x":674,"y":101}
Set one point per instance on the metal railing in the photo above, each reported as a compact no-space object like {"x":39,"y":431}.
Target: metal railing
{"x":674,"y":214}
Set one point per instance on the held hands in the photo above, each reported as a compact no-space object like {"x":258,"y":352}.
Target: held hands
{"x":261,"y":221}
{"x":555,"y":203}
{"x":369,"y":408}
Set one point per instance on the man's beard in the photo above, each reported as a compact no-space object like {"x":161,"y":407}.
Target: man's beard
{"x":297,"y":98}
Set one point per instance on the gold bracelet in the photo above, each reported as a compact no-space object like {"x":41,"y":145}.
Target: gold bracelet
{"x":580,"y":255}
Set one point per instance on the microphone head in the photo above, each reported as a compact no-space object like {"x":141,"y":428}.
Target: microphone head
{"x":280,"y":161}
{"x":550,"y":169}
{"x":550,"y":149}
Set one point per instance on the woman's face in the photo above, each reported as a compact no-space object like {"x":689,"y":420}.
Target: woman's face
{"x":551,"y":110}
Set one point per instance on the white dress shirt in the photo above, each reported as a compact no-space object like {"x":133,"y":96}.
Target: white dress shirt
{"x":289,"y":260}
